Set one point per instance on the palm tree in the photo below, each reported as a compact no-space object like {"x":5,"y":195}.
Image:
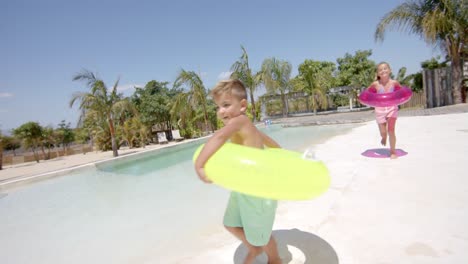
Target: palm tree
{"x":134,"y":131}
{"x":316,"y":77}
{"x":318,"y":94}
{"x":442,"y":23}
{"x":100,"y":102}
{"x":128,"y":133}
{"x":143,"y":133}
{"x":241,"y":70}
{"x":404,"y":79}
{"x":275,"y":74}
{"x":181,"y":112}
{"x":195,"y":96}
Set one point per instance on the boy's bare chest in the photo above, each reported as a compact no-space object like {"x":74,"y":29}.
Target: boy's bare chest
{"x":250,"y":140}
{"x":237,"y":139}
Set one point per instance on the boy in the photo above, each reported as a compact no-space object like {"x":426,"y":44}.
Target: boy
{"x":247,"y":217}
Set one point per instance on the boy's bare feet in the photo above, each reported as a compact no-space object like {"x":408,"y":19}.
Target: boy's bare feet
{"x":393,"y":156}
{"x":253,"y":253}
{"x":275,"y":261}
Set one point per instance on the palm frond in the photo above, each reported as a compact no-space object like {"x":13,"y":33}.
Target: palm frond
{"x":87,"y":76}
{"x":405,"y":17}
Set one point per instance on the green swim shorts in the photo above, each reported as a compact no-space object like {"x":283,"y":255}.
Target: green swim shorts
{"x":256,"y":215}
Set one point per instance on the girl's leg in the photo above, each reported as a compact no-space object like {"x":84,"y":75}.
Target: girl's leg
{"x":391,"y":133}
{"x":383,"y":133}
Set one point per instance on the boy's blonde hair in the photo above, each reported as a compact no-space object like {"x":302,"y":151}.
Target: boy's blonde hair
{"x":233,"y":87}
{"x":377,"y":69}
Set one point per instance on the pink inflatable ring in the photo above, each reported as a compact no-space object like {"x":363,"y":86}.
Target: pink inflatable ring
{"x":399,"y":96}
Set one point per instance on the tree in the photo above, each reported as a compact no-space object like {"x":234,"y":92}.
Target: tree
{"x":82,"y":137}
{"x":316,"y":77}
{"x":356,"y":70}
{"x":143,"y":132}
{"x":194,"y":97}
{"x":134,"y":133}
{"x":442,"y":23}
{"x":152,"y":103}
{"x":275,"y":75}
{"x":433,"y":63}
{"x":101,"y":102}
{"x":48,"y":140}
{"x":404,"y":79}
{"x":183,"y":113}
{"x":241,"y":70}
{"x":11,"y":143}
{"x":31,"y":135}
{"x":100,"y":133}
{"x":65,"y":135}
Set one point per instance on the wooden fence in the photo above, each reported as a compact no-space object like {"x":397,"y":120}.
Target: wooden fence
{"x":437,"y":84}
{"x":10,"y":159}
{"x":418,"y":100}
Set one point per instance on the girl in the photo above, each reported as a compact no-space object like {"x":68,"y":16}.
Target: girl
{"x":386,"y":116}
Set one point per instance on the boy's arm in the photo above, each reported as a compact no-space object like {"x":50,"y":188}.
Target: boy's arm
{"x":215,"y":142}
{"x":269,"y":142}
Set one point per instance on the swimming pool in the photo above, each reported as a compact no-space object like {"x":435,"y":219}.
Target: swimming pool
{"x":140,"y":209}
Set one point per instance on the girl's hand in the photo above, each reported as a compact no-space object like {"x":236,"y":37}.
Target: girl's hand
{"x":372,"y":89}
{"x":201,"y":174}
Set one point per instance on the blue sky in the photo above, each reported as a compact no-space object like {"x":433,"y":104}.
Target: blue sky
{"x":45,"y":43}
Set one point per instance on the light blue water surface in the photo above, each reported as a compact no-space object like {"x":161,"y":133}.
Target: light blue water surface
{"x":148,"y":208}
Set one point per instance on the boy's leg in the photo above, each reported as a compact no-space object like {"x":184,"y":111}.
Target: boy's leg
{"x":271,"y":249}
{"x":239,"y":233}
{"x":233,"y":223}
{"x":254,"y":251}
{"x":258,"y":215}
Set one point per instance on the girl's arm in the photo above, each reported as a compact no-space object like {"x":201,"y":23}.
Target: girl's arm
{"x":397,"y":85}
{"x":373,"y":87}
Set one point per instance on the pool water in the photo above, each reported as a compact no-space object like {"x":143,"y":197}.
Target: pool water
{"x":141,"y":209}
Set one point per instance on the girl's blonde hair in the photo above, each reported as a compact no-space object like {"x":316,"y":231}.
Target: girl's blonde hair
{"x":233,"y":87}
{"x":377,"y":69}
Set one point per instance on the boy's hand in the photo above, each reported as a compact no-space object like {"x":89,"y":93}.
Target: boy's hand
{"x":201,"y":174}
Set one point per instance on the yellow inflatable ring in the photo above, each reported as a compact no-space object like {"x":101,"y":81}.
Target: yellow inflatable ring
{"x":276,"y":174}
